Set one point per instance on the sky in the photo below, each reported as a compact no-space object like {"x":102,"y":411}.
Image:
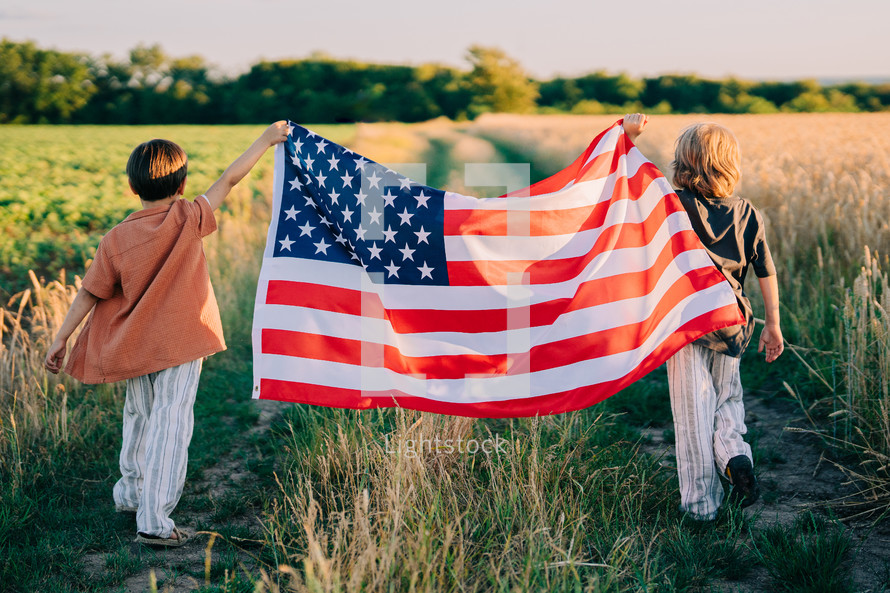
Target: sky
{"x":757,"y":39}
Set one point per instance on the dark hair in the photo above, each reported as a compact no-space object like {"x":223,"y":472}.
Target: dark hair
{"x":156,"y":169}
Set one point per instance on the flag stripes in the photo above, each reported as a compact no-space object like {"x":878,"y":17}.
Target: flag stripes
{"x":557,"y":296}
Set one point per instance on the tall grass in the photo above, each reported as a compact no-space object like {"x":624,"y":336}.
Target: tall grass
{"x":563,"y":502}
{"x":860,"y":418}
{"x":35,"y":413}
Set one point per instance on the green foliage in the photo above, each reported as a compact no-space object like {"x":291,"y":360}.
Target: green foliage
{"x":41,"y":86}
{"x":323,"y":89}
{"x":821,"y":102}
{"x":736,"y":97}
{"x":151,"y":87}
{"x":499,"y":83}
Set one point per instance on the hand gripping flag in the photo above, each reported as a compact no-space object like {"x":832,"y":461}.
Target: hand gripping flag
{"x":377,"y":291}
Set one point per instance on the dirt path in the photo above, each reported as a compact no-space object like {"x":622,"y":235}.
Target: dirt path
{"x":795,"y":476}
{"x":184,"y":569}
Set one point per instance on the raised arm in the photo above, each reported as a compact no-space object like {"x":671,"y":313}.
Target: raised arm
{"x":83,"y":303}
{"x":771,"y":338}
{"x":634,"y":124}
{"x":235,"y":172}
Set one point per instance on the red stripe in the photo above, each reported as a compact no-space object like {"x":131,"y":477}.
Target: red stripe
{"x":407,"y":321}
{"x":622,"y":236}
{"x":554,"y":403}
{"x":325,"y":298}
{"x":544,"y":356}
{"x":548,"y":222}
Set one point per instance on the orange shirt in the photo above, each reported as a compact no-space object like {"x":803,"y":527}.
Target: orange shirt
{"x":157,"y":307}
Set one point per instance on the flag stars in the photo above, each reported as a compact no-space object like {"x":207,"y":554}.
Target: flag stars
{"x":425,"y":271}
{"x":422,"y":199}
{"x":406,"y":218}
{"x":375,"y":216}
{"x":306,"y":229}
{"x":422,"y":235}
{"x":407,"y":253}
{"x":389,"y":234}
{"x":393,"y":269}
{"x":337,"y":229}
{"x":321,"y":247}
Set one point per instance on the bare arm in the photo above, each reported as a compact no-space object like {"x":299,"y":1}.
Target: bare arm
{"x":83,"y":303}
{"x":771,"y":338}
{"x":235,"y":172}
{"x":634,"y":124}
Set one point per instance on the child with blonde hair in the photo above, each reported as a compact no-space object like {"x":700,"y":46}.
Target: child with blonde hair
{"x":703,"y":377}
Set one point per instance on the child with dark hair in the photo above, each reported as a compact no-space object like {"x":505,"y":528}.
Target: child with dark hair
{"x":154,"y":318}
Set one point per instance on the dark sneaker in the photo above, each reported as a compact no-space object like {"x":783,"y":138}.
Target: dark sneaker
{"x":745,"y":490}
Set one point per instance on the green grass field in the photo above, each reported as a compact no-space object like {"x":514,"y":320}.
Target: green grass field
{"x":318,"y":500}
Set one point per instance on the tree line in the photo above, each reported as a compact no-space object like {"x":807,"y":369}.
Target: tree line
{"x":150,"y":87}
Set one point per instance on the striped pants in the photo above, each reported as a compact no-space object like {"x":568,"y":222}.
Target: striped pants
{"x":709,"y":421}
{"x":158,"y":422}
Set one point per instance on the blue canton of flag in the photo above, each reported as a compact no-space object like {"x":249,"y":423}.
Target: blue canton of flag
{"x":340,"y":207}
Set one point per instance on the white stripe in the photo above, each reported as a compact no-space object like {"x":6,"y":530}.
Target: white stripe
{"x":568,"y":325}
{"x":543,"y":247}
{"x":485,"y":388}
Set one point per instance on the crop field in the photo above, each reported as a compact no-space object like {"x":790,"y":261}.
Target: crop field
{"x":290,"y":497}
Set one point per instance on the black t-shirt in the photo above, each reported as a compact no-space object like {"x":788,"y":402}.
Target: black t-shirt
{"x":732,"y":232}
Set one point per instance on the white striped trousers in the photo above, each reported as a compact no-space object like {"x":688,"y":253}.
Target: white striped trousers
{"x":158,"y":423}
{"x":709,"y":421}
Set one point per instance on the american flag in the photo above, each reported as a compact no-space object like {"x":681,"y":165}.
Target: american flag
{"x":377,"y":291}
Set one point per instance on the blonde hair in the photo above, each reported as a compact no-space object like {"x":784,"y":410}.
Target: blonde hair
{"x":707,"y":160}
